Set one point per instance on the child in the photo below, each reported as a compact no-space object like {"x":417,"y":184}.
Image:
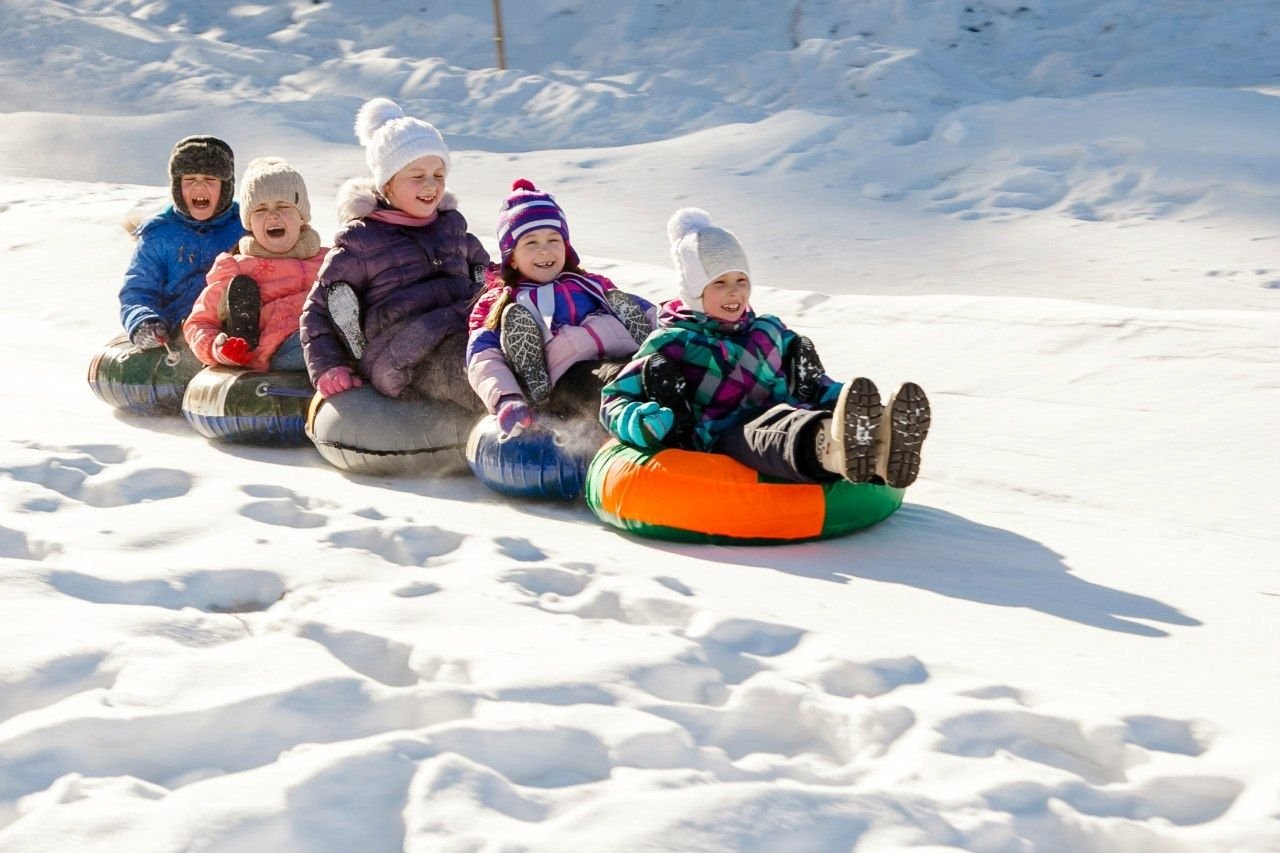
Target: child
{"x":393,"y":295}
{"x":717,"y":377}
{"x":543,"y":314}
{"x":247,"y":315}
{"x":177,"y":246}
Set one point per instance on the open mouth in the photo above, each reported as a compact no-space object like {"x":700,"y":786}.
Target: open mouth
{"x":731,"y":307}
{"x":275,"y":232}
{"x":427,"y":200}
{"x":544,"y":265}
{"x":200,"y":203}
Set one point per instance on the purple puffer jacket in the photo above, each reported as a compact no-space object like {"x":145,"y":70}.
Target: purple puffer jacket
{"x":414,"y":284}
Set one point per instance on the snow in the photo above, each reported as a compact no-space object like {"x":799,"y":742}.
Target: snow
{"x":1060,"y":218}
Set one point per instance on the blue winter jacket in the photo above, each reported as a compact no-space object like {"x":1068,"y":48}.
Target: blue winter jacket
{"x":167,"y":270}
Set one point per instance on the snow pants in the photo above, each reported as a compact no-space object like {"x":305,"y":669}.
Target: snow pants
{"x":778,"y":442}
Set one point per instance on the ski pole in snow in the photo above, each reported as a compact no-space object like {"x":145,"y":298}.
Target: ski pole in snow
{"x":498,"y":41}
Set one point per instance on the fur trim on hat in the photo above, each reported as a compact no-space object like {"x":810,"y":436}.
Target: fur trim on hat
{"x":702,"y":252}
{"x":393,"y":140}
{"x":358,"y":197}
{"x":272,"y":179}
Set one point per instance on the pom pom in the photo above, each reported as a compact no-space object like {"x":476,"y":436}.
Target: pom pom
{"x":523,"y":184}
{"x":373,"y":115}
{"x":687,"y":220}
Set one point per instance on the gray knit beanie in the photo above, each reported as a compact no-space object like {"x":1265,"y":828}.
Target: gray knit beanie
{"x":272,"y":179}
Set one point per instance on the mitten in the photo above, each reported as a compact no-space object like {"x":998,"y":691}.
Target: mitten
{"x":644,"y":425}
{"x":335,"y":380}
{"x":514,"y":415}
{"x":150,"y":334}
{"x":232,"y":351}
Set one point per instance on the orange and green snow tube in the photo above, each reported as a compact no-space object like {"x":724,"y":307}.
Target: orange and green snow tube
{"x":686,"y":496}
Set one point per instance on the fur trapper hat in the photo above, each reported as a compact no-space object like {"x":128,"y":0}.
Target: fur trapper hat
{"x":393,"y":140}
{"x":702,"y":253}
{"x":202,"y":155}
{"x":272,"y":179}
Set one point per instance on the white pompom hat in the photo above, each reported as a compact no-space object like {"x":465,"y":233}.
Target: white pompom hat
{"x":702,"y":253}
{"x":393,"y":140}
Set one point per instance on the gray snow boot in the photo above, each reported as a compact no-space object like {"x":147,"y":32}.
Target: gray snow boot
{"x":855,"y":424}
{"x":626,"y":309}
{"x":344,"y":312}
{"x":521,"y":342}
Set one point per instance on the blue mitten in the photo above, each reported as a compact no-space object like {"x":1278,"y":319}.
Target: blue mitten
{"x":644,"y":425}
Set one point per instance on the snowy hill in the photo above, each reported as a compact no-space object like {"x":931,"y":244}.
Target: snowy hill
{"x":1060,"y":218}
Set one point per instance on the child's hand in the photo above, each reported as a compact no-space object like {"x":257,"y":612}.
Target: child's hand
{"x":150,"y":334}
{"x":644,"y":425}
{"x":514,"y":415}
{"x":232,"y":351}
{"x":335,"y":380}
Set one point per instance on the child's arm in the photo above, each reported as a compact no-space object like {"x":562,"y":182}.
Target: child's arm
{"x":487,"y":368}
{"x":143,"y":284}
{"x":626,"y":411}
{"x":321,"y":346}
{"x":203,"y":325}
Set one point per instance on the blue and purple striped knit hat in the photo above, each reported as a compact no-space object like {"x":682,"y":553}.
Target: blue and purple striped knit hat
{"x":527,"y":209}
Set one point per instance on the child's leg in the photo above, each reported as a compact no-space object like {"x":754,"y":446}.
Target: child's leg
{"x":804,"y":370}
{"x":239,"y":308}
{"x":665,"y":384}
{"x":521,"y":340}
{"x":289,"y":355}
{"x":779,"y":442}
{"x":344,"y":313}
{"x":442,"y":374}
{"x":577,"y":393}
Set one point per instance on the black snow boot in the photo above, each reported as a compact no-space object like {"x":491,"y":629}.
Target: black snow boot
{"x":804,"y":370}
{"x":665,"y":385}
{"x":907,"y":426}
{"x":239,"y":308}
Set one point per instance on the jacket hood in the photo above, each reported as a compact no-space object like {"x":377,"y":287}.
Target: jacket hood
{"x":359,"y":197}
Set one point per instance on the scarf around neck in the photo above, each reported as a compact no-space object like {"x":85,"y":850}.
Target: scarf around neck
{"x":308,"y":244}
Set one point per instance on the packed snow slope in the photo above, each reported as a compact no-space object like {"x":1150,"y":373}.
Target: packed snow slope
{"x":1061,"y":218}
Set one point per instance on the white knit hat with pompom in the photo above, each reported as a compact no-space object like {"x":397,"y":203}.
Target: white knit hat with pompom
{"x":702,"y":253}
{"x":393,"y":140}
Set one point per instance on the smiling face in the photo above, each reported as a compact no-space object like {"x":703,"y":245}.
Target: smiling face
{"x":201,"y":194}
{"x":725,"y":298}
{"x":275,"y":225}
{"x":539,"y":255}
{"x":417,"y":188}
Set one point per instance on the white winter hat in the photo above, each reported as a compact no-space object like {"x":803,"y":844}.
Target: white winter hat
{"x":393,"y":140}
{"x":702,"y":253}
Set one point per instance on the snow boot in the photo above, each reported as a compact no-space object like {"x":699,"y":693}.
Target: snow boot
{"x":846,"y":443}
{"x":902,"y":435}
{"x":804,"y":370}
{"x":239,"y":308}
{"x":344,"y":312}
{"x":521,"y":342}
{"x":631,"y":314}
{"x":665,"y":385}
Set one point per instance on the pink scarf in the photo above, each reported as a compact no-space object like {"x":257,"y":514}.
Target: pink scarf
{"x":399,"y":217}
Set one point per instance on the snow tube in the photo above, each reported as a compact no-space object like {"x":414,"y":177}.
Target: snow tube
{"x":145,"y":382}
{"x":707,"y":497}
{"x":363,"y":432}
{"x":549,"y":461}
{"x":249,"y":406}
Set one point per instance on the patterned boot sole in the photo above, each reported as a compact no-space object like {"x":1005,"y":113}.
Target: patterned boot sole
{"x":632,"y":316}
{"x":856,"y":421}
{"x":241,"y":304}
{"x":909,"y":418}
{"x":521,"y":341}
{"x":344,"y":311}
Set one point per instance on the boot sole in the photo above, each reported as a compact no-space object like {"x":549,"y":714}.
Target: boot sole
{"x":857,"y":420}
{"x":241,"y":307}
{"x":521,"y":342}
{"x":344,"y":313}
{"x":631,"y":316}
{"x":909,"y":419}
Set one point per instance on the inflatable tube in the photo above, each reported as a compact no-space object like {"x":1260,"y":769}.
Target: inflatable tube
{"x":546,"y":462}
{"x":708,"y":497}
{"x":145,"y":382}
{"x":363,"y":432}
{"x":249,"y":406}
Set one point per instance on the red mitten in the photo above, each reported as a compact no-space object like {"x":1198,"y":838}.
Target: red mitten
{"x":232,"y":351}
